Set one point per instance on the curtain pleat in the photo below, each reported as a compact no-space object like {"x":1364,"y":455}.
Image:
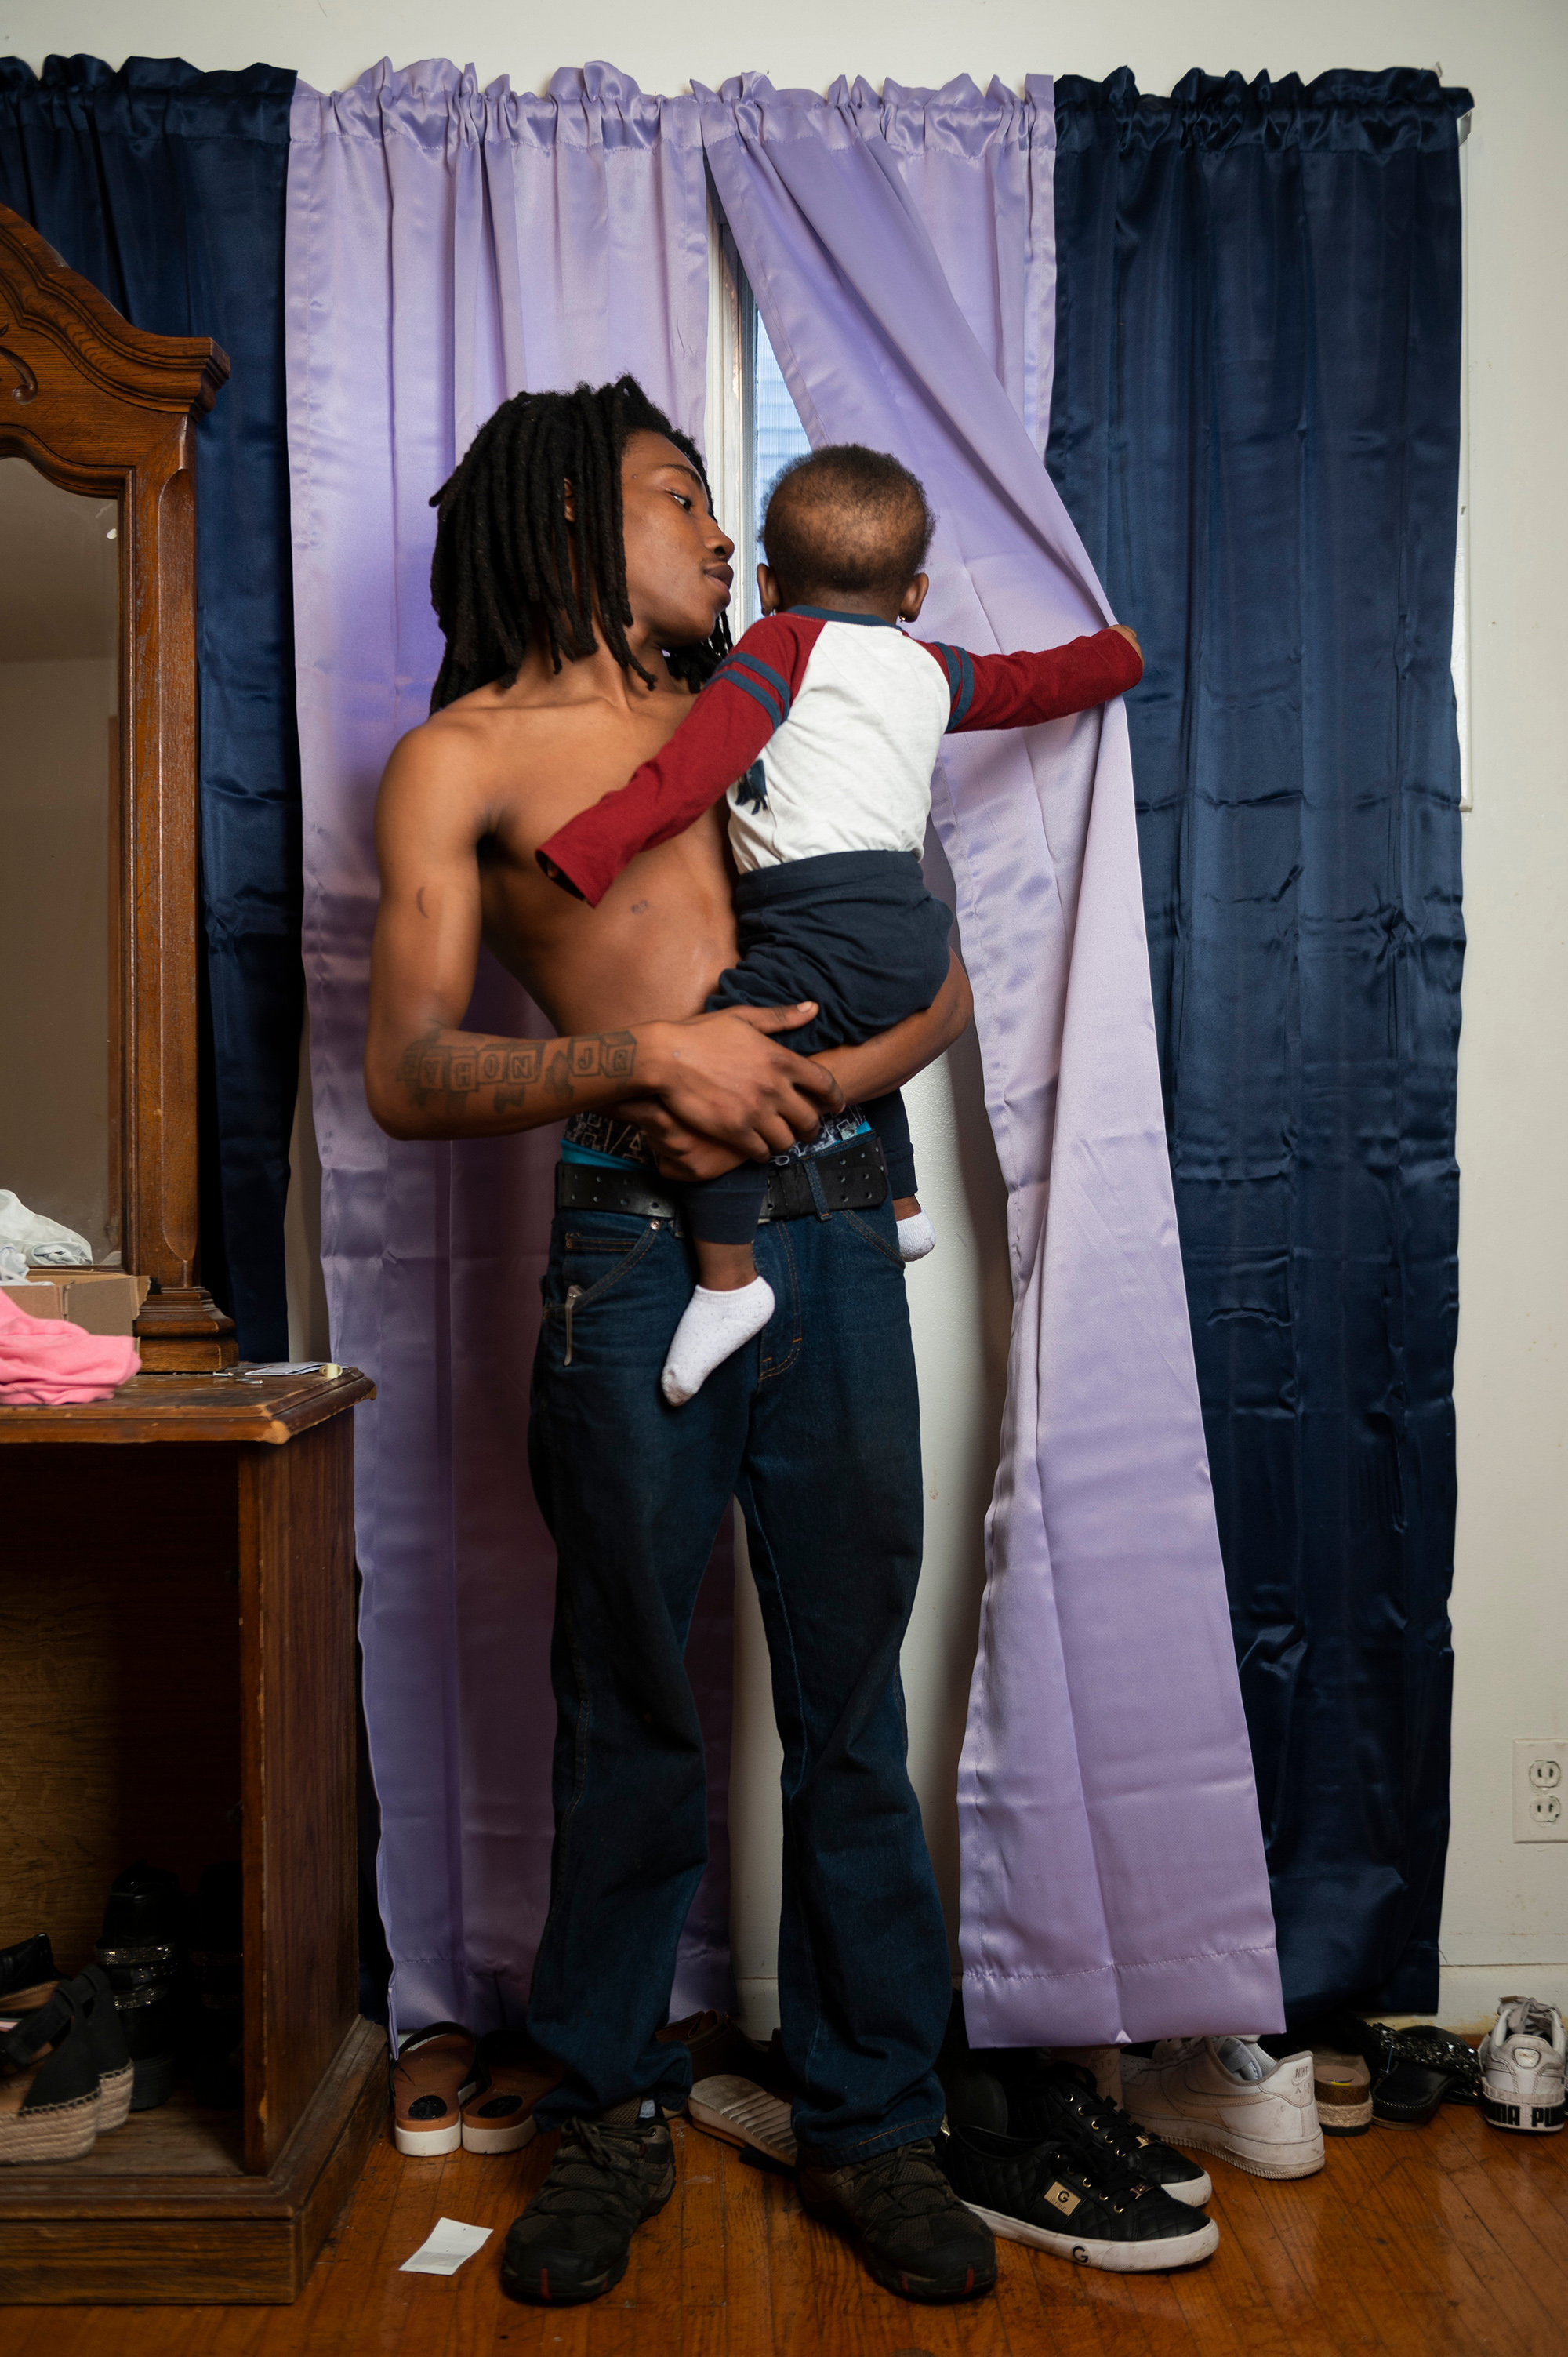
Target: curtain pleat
{"x":1112,"y":1868}
{"x":1256,"y":430}
{"x":166,"y":188}
{"x":450,"y":246}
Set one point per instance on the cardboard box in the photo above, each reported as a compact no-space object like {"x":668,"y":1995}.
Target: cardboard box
{"x":102,"y":1300}
{"x":38,"y":1300}
{"x":99,"y":1300}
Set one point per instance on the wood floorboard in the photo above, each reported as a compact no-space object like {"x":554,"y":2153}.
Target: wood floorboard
{"x":1451,"y":2241}
{"x":1292,"y":2251}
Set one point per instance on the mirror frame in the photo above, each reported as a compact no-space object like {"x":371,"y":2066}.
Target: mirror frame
{"x":102,"y":408}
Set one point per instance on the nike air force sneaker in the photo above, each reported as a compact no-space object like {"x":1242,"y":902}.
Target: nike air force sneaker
{"x":1523,"y":2059}
{"x":1225,"y":2095}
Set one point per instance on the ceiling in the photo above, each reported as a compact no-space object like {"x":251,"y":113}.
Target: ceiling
{"x":59,"y":580}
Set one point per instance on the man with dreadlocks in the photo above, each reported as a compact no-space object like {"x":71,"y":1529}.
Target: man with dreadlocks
{"x":581,"y":582}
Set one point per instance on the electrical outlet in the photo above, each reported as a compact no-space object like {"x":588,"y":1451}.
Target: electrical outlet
{"x":1540,"y":1788}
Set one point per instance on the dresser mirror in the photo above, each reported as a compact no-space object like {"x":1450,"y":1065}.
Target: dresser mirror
{"x":59,"y":809}
{"x":98,"y":782}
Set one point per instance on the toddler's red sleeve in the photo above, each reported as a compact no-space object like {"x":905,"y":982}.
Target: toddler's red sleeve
{"x":1016,"y":691}
{"x":746,"y":699}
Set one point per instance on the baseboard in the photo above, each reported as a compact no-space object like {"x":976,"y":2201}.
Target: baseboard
{"x":1468,"y":1996}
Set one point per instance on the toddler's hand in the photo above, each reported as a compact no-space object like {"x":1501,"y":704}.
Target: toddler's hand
{"x":1125,"y":630}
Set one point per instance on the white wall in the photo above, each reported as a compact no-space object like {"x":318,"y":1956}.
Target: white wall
{"x":1508,"y":1907}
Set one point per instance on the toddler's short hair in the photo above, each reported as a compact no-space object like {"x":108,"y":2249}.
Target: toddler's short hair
{"x":847,"y":519}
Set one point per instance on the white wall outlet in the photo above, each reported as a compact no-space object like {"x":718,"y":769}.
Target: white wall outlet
{"x":1540,"y":1788}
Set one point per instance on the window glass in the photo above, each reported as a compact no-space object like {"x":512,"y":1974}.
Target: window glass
{"x":778,"y":432}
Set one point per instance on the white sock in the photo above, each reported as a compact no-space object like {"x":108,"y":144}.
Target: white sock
{"x":916,"y":1237}
{"x":712,"y":1325}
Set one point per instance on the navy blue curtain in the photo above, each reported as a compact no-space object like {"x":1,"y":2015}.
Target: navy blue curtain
{"x":1255,"y":426}
{"x":166,"y":188}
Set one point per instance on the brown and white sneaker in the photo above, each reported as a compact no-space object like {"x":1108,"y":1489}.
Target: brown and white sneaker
{"x":49,"y":2102}
{"x":438,"y":2072}
{"x":500,"y":2117}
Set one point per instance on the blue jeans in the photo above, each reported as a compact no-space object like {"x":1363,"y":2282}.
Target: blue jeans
{"x":814,"y":1427}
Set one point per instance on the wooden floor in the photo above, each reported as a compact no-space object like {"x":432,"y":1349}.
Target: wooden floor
{"x":1410,"y":2242}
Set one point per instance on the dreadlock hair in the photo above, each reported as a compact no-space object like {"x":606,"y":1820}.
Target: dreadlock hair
{"x":847,"y":518}
{"x":503,"y":572}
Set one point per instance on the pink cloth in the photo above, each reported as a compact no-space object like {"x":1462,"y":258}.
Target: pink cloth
{"x":50,"y":1363}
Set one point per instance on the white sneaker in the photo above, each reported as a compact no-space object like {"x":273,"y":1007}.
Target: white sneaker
{"x":1522,"y":2067}
{"x":1225,"y":2095}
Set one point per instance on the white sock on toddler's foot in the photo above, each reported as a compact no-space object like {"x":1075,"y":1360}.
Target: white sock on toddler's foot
{"x":713,"y":1327}
{"x":916,"y":1237}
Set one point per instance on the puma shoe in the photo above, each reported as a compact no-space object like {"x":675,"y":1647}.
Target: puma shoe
{"x":1226,"y":2095}
{"x":1099,"y":2214}
{"x":915,"y":2233}
{"x":1055,"y":2101}
{"x":1523,"y":2059}
{"x":608,"y":2177}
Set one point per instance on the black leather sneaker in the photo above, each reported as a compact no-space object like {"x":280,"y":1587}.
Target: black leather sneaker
{"x":608,"y":2177}
{"x":914,"y":2232}
{"x":1056,"y":2101}
{"x":1101,"y":2216}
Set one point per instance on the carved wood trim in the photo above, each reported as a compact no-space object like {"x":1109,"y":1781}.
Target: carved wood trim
{"x":101,"y":408}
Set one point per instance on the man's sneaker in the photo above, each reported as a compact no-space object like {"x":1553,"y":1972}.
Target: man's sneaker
{"x":1056,"y":2101}
{"x":1225,"y":2095}
{"x":1097,"y":2215}
{"x":914,"y":2232}
{"x":609,"y":2176}
{"x":1522,"y":2067}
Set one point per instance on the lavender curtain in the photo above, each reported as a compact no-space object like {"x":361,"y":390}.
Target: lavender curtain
{"x":448,"y":246}
{"x":1114,"y":1883}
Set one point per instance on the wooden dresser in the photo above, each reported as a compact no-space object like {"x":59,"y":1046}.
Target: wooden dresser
{"x":176,"y":1682}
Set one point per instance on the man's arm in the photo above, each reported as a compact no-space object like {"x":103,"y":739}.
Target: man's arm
{"x":426,"y":1078}
{"x":869,"y":1071}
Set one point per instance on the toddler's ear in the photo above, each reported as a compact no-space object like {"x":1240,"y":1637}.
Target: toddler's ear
{"x":767,"y":591}
{"x":914,"y":597}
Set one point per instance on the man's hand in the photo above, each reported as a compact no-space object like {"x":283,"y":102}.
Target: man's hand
{"x":720,"y":1092}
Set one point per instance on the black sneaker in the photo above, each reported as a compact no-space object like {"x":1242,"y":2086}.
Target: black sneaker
{"x":1056,"y":2102}
{"x":607,"y":2178}
{"x":916,"y":2238}
{"x":1042,"y":2194}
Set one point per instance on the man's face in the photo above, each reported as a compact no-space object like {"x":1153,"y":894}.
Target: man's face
{"x":678,"y":573}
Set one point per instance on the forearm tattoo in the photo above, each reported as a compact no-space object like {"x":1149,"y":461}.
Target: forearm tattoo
{"x":512,"y":1073}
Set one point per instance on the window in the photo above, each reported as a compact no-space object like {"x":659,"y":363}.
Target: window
{"x":752,"y":428}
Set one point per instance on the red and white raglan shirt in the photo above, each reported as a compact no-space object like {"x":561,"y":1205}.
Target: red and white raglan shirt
{"x":823,"y":730}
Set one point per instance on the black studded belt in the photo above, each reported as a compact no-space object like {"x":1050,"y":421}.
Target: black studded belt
{"x":853,"y":1178}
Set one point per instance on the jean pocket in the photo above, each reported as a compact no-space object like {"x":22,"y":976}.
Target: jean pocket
{"x":589,"y":1261}
{"x":888,"y":1247}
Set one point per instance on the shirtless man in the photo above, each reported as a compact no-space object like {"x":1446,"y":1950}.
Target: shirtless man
{"x":580,"y":580}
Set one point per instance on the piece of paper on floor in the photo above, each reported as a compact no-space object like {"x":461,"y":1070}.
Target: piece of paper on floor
{"x":445,"y":2248}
